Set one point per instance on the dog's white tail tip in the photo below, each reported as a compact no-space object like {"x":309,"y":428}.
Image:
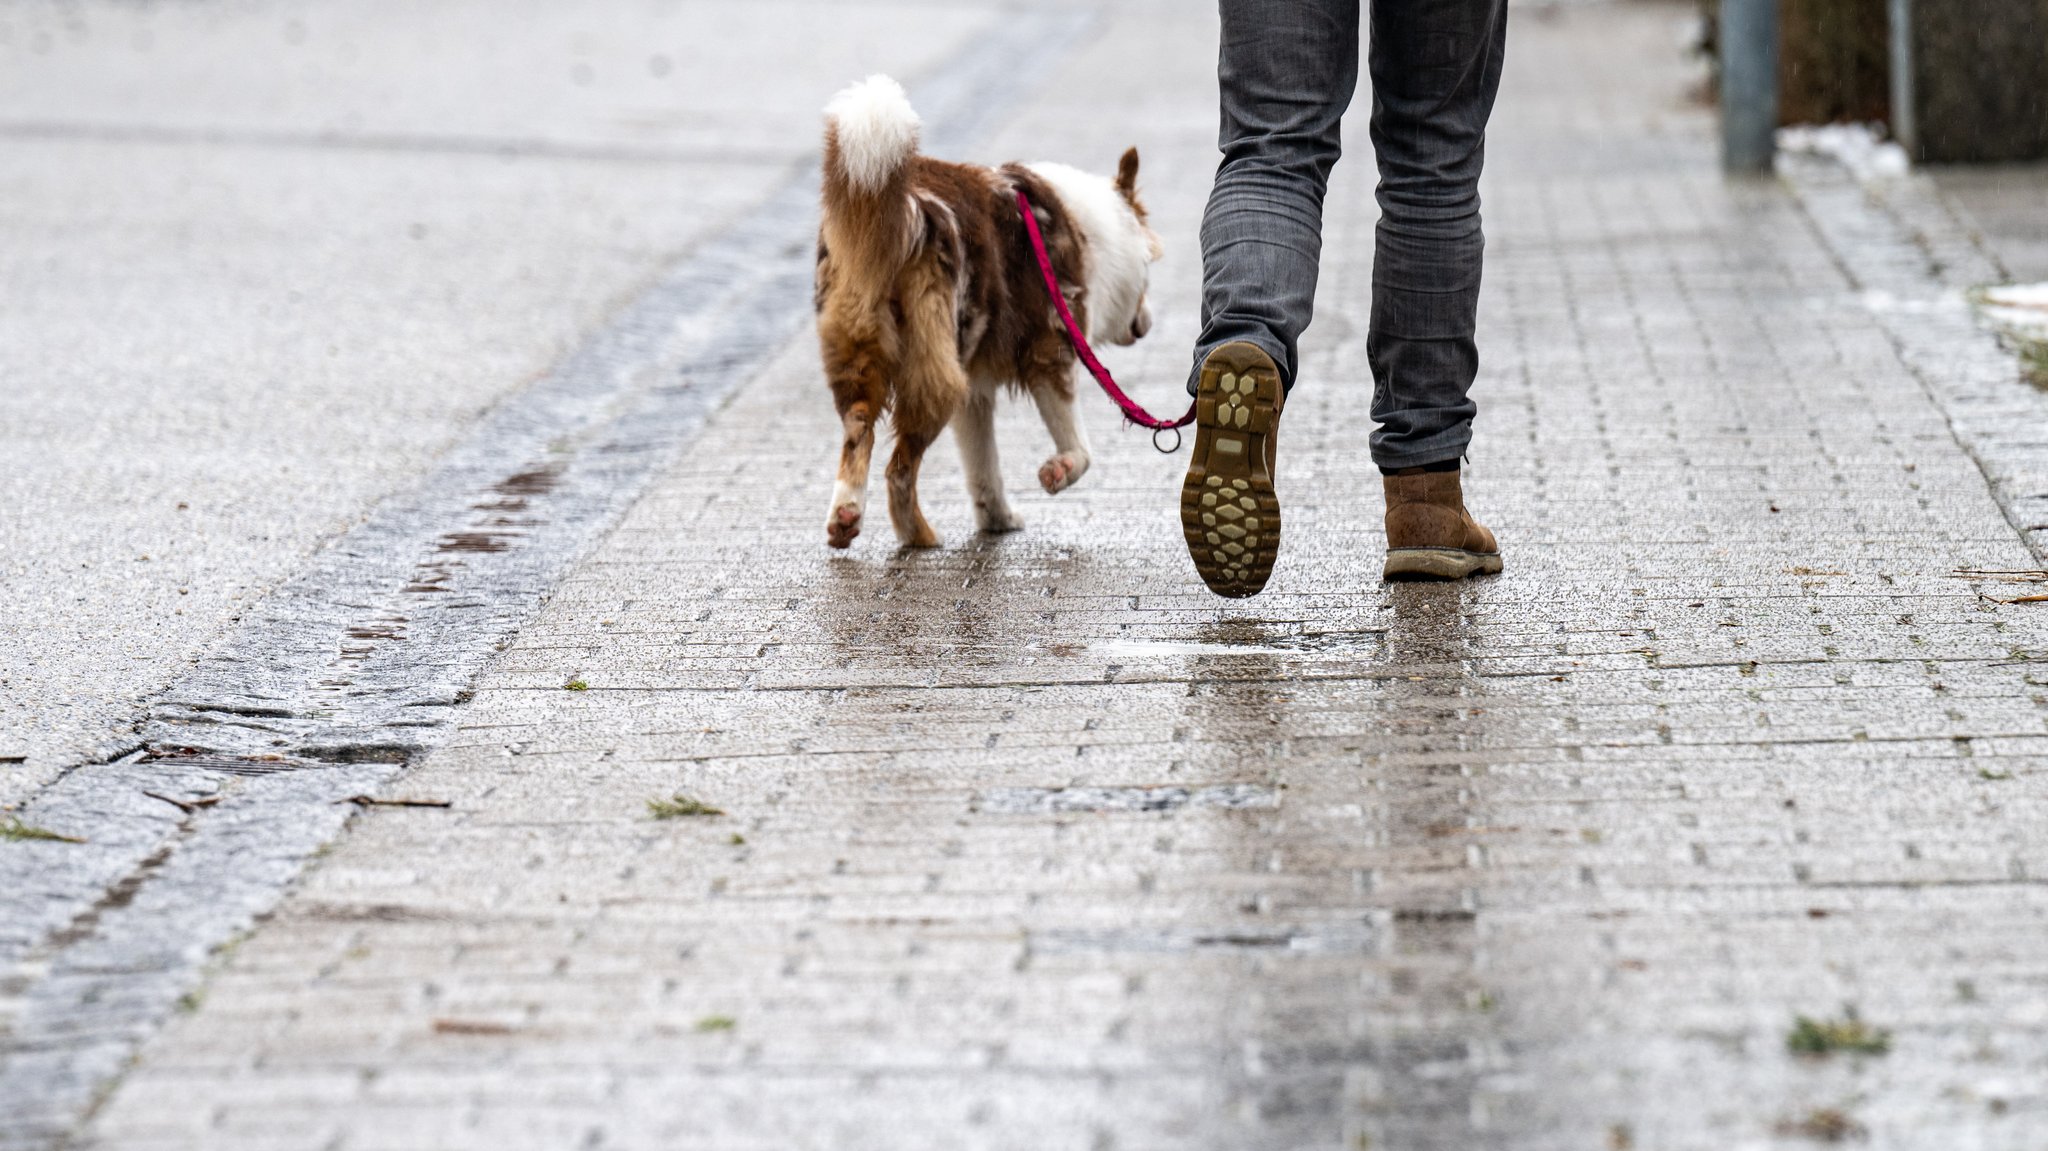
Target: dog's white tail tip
{"x":876,"y":128}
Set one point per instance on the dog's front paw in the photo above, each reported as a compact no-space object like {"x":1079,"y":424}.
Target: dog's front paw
{"x":843,"y":526}
{"x":1059,"y":473}
{"x":996,"y":521}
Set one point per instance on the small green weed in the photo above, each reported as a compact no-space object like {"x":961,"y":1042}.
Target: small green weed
{"x":2024,"y":341}
{"x":717,"y":1023}
{"x":2033,"y":361}
{"x":575,"y":685}
{"x":1816,"y":1038}
{"x":1824,"y":1125}
{"x":680,"y":806}
{"x":1987,"y":773}
{"x":13,"y":828}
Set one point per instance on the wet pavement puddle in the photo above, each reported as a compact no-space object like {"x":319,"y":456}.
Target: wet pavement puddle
{"x":1243,"y":639}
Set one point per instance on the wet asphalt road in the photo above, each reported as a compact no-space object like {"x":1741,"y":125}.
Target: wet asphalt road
{"x":1029,"y":842}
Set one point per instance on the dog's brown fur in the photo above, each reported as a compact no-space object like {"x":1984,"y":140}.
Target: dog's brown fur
{"x":927,"y":287}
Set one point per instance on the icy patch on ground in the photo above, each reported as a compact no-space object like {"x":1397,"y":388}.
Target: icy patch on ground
{"x":2020,"y":313}
{"x":1861,"y":148}
{"x":1886,"y":303}
{"x":2023,"y":306}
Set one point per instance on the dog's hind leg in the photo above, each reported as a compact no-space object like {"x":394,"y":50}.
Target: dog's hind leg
{"x":975,"y":431}
{"x":858,"y":372}
{"x":911,"y":528}
{"x":930,"y":387}
{"x":850,"y":491}
{"x":1069,"y":462}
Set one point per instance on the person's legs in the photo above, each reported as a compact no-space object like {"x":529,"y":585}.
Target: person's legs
{"x":1435,"y":67}
{"x":1287,"y":70}
{"x":1287,"y":74}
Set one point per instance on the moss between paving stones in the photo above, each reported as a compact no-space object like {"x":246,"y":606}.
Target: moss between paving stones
{"x":1824,"y":1125}
{"x":680,"y":806}
{"x":1817,"y":1038}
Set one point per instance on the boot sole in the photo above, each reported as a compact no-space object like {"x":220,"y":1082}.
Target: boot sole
{"x":1439,"y":563}
{"x":1228,"y":512}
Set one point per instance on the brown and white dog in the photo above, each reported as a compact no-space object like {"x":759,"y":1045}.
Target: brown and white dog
{"x":930,"y":301}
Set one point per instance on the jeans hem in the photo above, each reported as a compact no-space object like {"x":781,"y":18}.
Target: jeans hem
{"x":1444,"y":446}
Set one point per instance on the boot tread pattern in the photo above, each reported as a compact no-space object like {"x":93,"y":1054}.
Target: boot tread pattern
{"x":1229,"y":513}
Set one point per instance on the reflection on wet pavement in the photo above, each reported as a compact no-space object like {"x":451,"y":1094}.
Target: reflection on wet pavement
{"x":1379,"y":1043}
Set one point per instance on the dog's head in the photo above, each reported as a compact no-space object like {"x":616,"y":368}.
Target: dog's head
{"x":1127,"y":190}
{"x":1121,"y":247}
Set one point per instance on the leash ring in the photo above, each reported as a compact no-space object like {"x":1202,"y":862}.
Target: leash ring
{"x":1176,"y":440}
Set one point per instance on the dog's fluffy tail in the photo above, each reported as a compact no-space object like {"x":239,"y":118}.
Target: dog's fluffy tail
{"x":871,"y":133}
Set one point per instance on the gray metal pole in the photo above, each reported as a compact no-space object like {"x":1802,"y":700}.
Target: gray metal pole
{"x":1749,"y":84}
{"x":1905,"y":128}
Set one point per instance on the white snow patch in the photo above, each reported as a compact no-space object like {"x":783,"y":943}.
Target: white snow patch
{"x":1861,"y":148}
{"x":2019,"y":296}
{"x":1886,"y":303}
{"x":2018,"y":309}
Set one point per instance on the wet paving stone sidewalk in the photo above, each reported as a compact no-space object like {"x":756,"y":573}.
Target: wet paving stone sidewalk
{"x":1029,"y":842}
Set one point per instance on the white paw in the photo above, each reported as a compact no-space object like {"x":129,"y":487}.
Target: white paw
{"x":1059,"y":473}
{"x":843,"y":525}
{"x":996,"y":520}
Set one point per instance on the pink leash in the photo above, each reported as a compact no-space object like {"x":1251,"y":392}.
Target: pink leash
{"x":1124,"y":403}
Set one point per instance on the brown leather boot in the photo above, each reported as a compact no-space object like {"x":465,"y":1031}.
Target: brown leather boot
{"x":1430,"y":535}
{"x":1228,"y":511}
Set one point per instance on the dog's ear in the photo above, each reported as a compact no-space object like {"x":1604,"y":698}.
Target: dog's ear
{"x":1127,"y":176}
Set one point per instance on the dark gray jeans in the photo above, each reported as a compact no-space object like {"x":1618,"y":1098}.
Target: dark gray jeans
{"x":1288,"y":71}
